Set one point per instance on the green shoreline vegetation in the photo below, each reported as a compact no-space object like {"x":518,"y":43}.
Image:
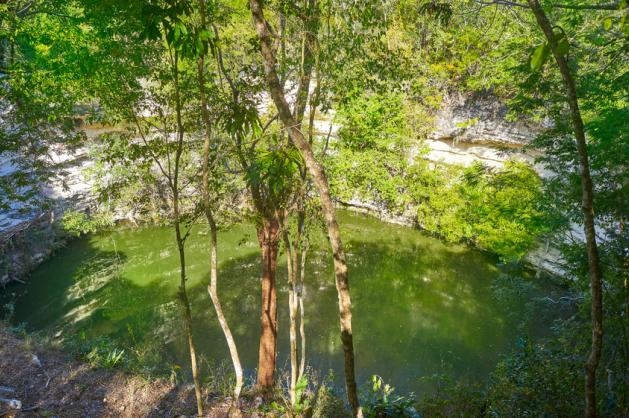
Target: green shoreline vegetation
{"x":111,"y":300}
{"x":227,"y":133}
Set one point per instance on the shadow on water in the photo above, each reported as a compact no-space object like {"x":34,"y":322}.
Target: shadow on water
{"x":420,"y":307}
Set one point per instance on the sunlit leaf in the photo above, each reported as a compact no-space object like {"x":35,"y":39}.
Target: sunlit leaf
{"x":608,"y":22}
{"x":539,"y":56}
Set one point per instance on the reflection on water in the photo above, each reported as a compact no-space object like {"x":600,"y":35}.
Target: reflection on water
{"x":421,"y":307}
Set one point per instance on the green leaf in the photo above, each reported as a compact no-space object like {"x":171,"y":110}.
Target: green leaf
{"x":563,"y":46}
{"x":539,"y":56}
{"x":561,"y":40}
{"x":200,"y":50}
{"x":301,"y":386}
{"x":608,"y":22}
{"x":206,"y":35}
{"x":624,"y":25}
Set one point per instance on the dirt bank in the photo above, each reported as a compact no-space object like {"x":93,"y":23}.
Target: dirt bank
{"x":53,"y":384}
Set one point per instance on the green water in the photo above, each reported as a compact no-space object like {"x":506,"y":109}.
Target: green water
{"x":420,"y":307}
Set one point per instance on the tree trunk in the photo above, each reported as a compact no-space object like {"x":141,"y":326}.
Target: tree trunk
{"x":291,"y":266}
{"x":187,"y":318}
{"x":213,"y":286}
{"x":183,"y":296}
{"x":300,"y":299}
{"x":307,"y":60}
{"x":295,"y":301}
{"x":213,"y":291}
{"x":587,"y":199}
{"x":321,"y":183}
{"x":268,"y":234}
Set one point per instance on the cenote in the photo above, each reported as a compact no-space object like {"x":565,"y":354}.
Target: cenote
{"x":422,"y":308}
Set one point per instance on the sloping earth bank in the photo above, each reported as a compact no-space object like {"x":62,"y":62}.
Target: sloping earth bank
{"x":52,"y":384}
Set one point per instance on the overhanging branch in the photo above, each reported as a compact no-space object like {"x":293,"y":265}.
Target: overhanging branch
{"x":608,"y":6}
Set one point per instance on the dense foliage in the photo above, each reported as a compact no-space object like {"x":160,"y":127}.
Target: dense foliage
{"x":371,"y":156}
{"x":378,"y":160}
{"x":379,"y":71}
{"x":497,"y":209}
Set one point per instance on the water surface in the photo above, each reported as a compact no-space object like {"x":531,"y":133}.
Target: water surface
{"x":420,"y":307}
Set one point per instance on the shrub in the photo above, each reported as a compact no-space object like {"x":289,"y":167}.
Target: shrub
{"x":537,"y":381}
{"x":454,"y":399}
{"x":370,"y":158}
{"x":77,"y":223}
{"x":497,"y":209}
{"x":380,"y":402}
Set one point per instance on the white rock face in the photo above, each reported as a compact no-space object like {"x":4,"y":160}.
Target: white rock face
{"x":465,"y":153}
{"x":466,"y":130}
{"x":481,"y":119}
{"x":27,"y":235}
{"x":470,"y":129}
{"x":67,"y":185}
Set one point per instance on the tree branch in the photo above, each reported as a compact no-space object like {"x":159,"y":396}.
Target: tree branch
{"x":501,"y":3}
{"x":609,"y":6}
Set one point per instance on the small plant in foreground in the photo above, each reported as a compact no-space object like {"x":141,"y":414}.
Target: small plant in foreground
{"x":219,"y":377}
{"x":328,"y":403}
{"x":379,"y":402}
{"x":108,"y":358}
{"x":99,"y":352}
{"x":302,"y":404}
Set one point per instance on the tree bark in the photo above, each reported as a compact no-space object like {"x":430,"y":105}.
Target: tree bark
{"x":213,"y":291}
{"x":587,"y":198}
{"x":213,"y":286}
{"x":300,"y":299}
{"x":321,"y":183}
{"x":187,"y":316}
{"x":295,"y":301}
{"x":291,"y":266}
{"x":183,"y":296}
{"x":307,"y":60}
{"x":268,"y":237}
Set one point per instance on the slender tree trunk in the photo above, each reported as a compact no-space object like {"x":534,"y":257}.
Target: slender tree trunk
{"x":307,"y":59}
{"x":187,"y":316}
{"x":301,"y":245}
{"x":291,"y":266}
{"x":268,"y":234}
{"x":303,"y":90}
{"x":268,"y":238}
{"x":300,"y":298}
{"x":321,"y":183}
{"x":213,"y":287}
{"x":213,"y":291}
{"x":587,"y":197}
{"x":183,"y":296}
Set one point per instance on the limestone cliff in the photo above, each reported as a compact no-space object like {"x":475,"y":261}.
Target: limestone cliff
{"x":477,"y":128}
{"x":466,"y":129}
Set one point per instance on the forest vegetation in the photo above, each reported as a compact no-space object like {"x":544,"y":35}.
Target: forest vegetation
{"x":275,"y":114}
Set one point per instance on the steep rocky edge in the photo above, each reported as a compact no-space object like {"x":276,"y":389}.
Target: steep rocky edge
{"x":475,"y":128}
{"x":466,"y":129}
{"x":29,"y":235}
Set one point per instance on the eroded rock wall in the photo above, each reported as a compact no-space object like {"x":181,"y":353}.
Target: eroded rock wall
{"x":28,"y":232}
{"x":477,"y":128}
{"x":24,"y":246}
{"x":481,"y":119}
{"x":466,"y":129}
